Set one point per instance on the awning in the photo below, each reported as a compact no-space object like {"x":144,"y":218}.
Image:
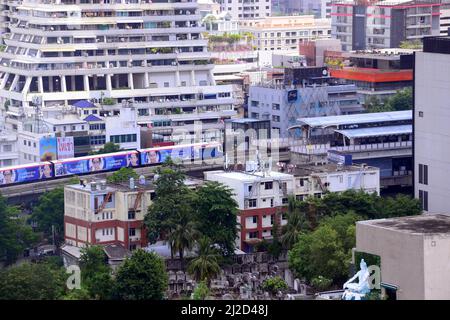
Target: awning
{"x":376,"y":131}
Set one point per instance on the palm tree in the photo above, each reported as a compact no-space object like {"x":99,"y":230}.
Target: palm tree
{"x":206,"y":265}
{"x":182,"y":235}
{"x":294,"y":226}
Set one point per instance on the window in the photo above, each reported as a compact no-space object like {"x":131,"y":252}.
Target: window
{"x":7,"y":148}
{"x":423,"y":198}
{"x":131,"y":215}
{"x":272,"y":219}
{"x":255,"y":219}
{"x":123,"y":138}
{"x":253,"y":235}
{"x":275,"y":106}
{"x":252,"y":203}
{"x":132,"y":247}
{"x":132,"y":232}
{"x":276,"y":118}
{"x":423,"y":174}
{"x":268,"y":185}
{"x":97,"y":140}
{"x":284,"y":201}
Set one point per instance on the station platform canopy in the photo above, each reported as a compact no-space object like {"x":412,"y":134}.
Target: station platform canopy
{"x":348,"y":119}
{"x":376,"y":131}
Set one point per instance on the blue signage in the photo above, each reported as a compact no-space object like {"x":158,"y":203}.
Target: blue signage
{"x":339,"y":157}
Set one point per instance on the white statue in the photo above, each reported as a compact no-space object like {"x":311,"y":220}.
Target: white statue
{"x":355,"y":291}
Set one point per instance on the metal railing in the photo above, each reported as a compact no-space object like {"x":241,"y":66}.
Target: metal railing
{"x":323,"y":148}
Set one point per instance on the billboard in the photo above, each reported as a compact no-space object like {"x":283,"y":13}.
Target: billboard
{"x":66,"y":148}
{"x":96,"y":163}
{"x":339,"y":157}
{"x":27,"y":173}
{"x":47,"y":148}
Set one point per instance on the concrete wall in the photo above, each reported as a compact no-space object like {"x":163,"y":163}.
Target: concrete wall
{"x":437,"y":267}
{"x":432,"y":135}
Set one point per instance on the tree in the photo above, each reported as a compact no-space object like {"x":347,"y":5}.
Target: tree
{"x":183,"y":233}
{"x":295,"y":224}
{"x":15,"y":234}
{"x":108,"y":147}
{"x":325,"y":252}
{"x":274,"y":285}
{"x":201,"y":291}
{"x":172,"y":197}
{"x":142,"y":277}
{"x":29,"y":281}
{"x":122,"y":175}
{"x":402,"y":100}
{"x":215,"y":212}
{"x":96,"y":273}
{"x":49,"y":214}
{"x":375,"y":104}
{"x":205,"y":266}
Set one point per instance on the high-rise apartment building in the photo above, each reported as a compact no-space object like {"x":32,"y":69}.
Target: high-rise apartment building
{"x":431,"y":129}
{"x":372,"y":24}
{"x":111,"y":52}
{"x":247,"y":9}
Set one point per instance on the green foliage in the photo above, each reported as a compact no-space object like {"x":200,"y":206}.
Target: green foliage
{"x":374,"y":295}
{"x":215,"y":213}
{"x":173,"y":199}
{"x":109,"y":101}
{"x":50,"y":212}
{"x":321,"y":283}
{"x":319,"y":253}
{"x":205,"y":266}
{"x":411,"y":44}
{"x":28,"y":281}
{"x":183,"y":233}
{"x":142,"y":277}
{"x":402,"y":100}
{"x":122,"y":175}
{"x":15,"y":234}
{"x":370,"y":259}
{"x":326,"y":229}
{"x":77,"y":294}
{"x":274,"y":285}
{"x":96,"y":273}
{"x":108,"y":147}
{"x":201,"y":291}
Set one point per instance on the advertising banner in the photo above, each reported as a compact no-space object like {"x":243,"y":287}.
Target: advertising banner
{"x":47,"y":149}
{"x":26,"y":174}
{"x":66,"y":148}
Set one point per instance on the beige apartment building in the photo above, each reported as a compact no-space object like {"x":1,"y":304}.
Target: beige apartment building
{"x":285,"y":32}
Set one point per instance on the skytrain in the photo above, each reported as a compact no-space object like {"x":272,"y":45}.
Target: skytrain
{"x":49,"y":170}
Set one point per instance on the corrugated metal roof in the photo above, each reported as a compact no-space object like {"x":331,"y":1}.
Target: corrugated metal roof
{"x":329,"y":121}
{"x":376,"y":131}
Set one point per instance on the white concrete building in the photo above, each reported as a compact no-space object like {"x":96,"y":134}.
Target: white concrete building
{"x":314,"y":180}
{"x":149,"y":52}
{"x":9,"y":155}
{"x":247,"y":9}
{"x":431,"y":130}
{"x":260,"y":197}
{"x":286,"y":32}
